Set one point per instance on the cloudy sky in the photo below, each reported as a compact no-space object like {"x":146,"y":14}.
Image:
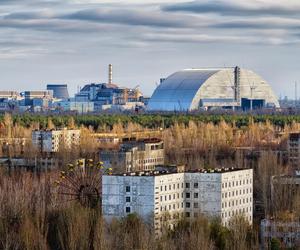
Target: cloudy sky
{"x":73,"y":41}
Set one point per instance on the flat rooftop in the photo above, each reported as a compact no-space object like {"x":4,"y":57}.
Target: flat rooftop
{"x":173,"y":171}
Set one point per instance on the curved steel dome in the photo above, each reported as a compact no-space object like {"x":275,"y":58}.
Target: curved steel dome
{"x":191,"y":89}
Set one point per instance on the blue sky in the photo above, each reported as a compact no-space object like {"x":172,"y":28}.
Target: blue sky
{"x":73,"y":41}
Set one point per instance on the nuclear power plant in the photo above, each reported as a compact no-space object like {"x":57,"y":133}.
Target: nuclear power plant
{"x":187,"y":90}
{"x":211,"y":88}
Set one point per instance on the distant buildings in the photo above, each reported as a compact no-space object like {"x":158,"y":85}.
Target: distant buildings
{"x":285,"y":232}
{"x":212,"y":88}
{"x":52,"y":141}
{"x":60,"y":91}
{"x":91,"y":98}
{"x":162,"y":197}
{"x":141,"y":155}
{"x":109,"y":96}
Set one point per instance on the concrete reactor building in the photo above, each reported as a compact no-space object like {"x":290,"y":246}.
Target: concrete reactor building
{"x":209,"y":88}
{"x":60,"y":91}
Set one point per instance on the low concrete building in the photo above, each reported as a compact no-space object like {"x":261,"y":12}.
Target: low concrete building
{"x":140,"y":155}
{"x":52,"y":141}
{"x":222,"y":193}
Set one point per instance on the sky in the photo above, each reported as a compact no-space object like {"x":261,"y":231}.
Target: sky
{"x":73,"y":41}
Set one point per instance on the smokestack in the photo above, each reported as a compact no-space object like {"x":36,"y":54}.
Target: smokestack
{"x":110,"y":73}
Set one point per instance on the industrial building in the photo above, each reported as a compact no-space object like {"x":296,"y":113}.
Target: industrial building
{"x":60,"y":91}
{"x":52,"y":141}
{"x":109,"y":95}
{"x":141,"y":155}
{"x":210,"y":88}
{"x":222,"y":193}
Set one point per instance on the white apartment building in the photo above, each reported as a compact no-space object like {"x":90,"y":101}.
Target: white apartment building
{"x":222,"y":193}
{"x":52,"y":141}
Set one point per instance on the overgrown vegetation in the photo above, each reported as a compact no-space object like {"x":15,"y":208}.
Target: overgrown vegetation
{"x":33,"y":218}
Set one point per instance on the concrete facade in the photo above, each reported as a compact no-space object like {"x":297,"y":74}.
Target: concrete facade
{"x":135,"y":156}
{"x":51,"y":141}
{"x":287,"y":232}
{"x":294,"y":152}
{"x":223,"y":194}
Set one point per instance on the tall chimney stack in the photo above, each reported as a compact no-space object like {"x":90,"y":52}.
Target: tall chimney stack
{"x":110,"y":73}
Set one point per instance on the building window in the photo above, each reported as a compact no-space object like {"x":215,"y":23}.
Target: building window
{"x":196,"y":185}
{"x":196,"y":205}
{"x":128,"y":210}
{"x":187,"y":214}
{"x":187,"y":204}
{"x":127,"y":199}
{"x":195,"y":195}
{"x":127,"y":189}
{"x":188,"y":195}
{"x":187,"y":185}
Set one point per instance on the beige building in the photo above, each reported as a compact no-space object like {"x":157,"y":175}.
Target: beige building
{"x":52,"y":141}
{"x":142,"y":155}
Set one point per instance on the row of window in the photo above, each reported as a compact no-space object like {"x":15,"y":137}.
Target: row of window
{"x":236,"y":203}
{"x":236,"y":193}
{"x":152,"y":160}
{"x":236,"y":183}
{"x":236,"y":212}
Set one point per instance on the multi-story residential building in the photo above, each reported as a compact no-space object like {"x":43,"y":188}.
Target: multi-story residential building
{"x":286,"y":232}
{"x":52,"y":141}
{"x":140,"y":155}
{"x":222,"y":193}
{"x":294,"y":152}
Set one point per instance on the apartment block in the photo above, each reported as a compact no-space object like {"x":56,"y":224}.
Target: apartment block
{"x":222,"y":193}
{"x":52,"y":141}
{"x":286,"y":232}
{"x":138,"y":155}
{"x":294,"y":152}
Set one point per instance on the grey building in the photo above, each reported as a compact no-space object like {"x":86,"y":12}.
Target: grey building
{"x":208,"y":88}
{"x":135,"y":156}
{"x":161,"y":198}
{"x":60,"y":91}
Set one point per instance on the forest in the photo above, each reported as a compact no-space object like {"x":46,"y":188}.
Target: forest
{"x":31,"y":216}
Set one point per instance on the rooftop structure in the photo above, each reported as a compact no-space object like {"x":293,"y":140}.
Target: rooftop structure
{"x":206,"y":88}
{"x":156,"y":195}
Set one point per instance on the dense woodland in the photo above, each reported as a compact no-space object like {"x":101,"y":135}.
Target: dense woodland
{"x":31,"y":216}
